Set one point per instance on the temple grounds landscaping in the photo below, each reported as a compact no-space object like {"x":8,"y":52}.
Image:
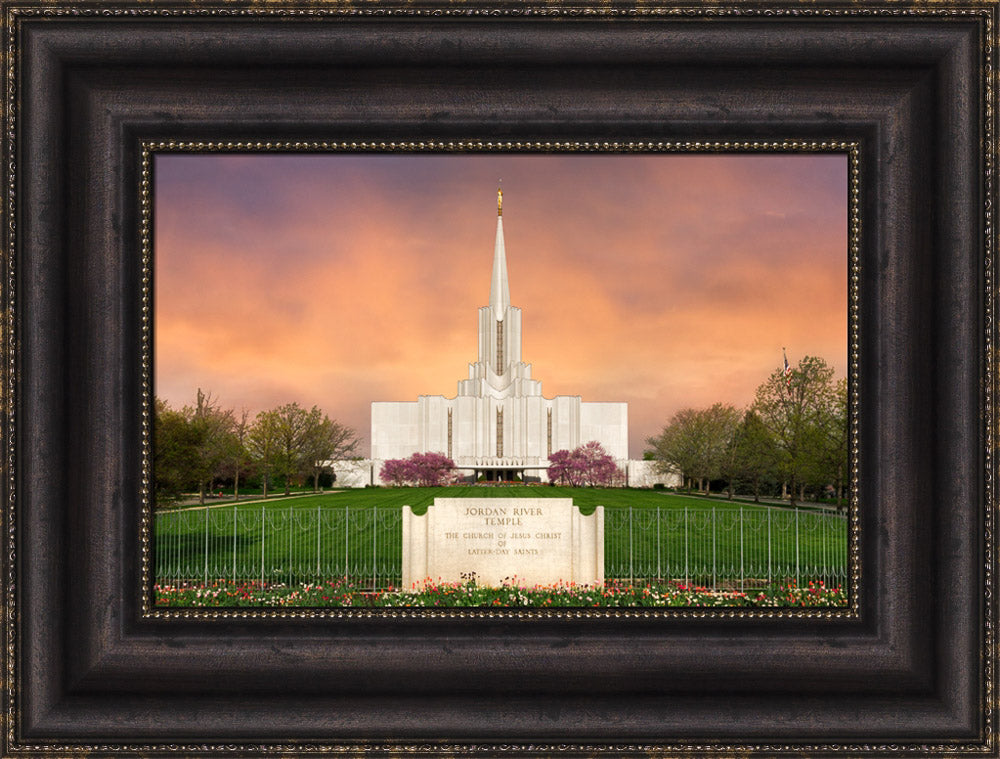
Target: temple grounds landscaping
{"x":338,"y":594}
{"x":658,"y":544}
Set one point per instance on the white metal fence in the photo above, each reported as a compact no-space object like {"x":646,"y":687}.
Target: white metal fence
{"x":712,"y":547}
{"x":280,"y":544}
{"x":725,"y":546}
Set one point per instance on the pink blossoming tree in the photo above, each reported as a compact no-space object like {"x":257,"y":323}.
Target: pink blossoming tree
{"x":395,"y":472}
{"x":424,"y":469}
{"x":588,"y":465}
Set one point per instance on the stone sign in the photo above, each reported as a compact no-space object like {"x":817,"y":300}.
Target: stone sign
{"x":537,"y":541}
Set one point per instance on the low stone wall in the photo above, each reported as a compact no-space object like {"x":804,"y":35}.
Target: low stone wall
{"x":357,"y":473}
{"x":538,"y":541}
{"x":646,"y":474}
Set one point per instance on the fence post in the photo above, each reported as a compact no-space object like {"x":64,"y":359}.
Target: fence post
{"x":827,"y":546}
{"x":659,"y":571}
{"x":715,"y":576}
{"x":234,"y":543}
{"x":288,"y":523}
{"x":205,"y":576}
{"x":769,"y":510}
{"x":742,"y":570}
{"x":820,"y":561}
{"x":631,"y":550}
{"x":374,"y":549}
{"x":347,"y":523}
{"x":319,"y":529}
{"x":797,"y":578}
{"x":687,"y":580}
{"x":174,"y":560}
{"x":262,"y":517}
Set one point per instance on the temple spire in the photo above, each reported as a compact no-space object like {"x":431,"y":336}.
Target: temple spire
{"x":499,"y":290}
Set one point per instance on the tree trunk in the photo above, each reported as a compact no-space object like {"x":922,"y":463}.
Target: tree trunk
{"x":316,"y":481}
{"x":287,"y":491}
{"x":729,"y":490}
{"x":802,"y":492}
{"x":265,"y":485}
{"x":201,"y":493}
{"x":236,"y":486}
{"x":791,"y":493}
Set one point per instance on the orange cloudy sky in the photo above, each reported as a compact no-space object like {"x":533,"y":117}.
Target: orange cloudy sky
{"x":666,"y":281}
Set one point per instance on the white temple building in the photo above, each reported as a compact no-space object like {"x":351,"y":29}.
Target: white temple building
{"x":498,"y":426}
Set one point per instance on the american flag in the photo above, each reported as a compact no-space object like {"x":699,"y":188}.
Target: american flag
{"x":788,"y":370}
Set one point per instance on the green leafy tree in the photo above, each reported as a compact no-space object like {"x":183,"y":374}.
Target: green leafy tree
{"x":175,"y":448}
{"x":262,"y":444}
{"x":755,"y":455}
{"x":720,"y":424}
{"x":289,"y":441}
{"x":214,"y":431}
{"x":193,"y":446}
{"x":676,"y":448}
{"x":795,"y":411}
{"x":292,"y":440}
{"x":697,"y":443}
{"x":240,"y":459}
{"x":325,"y":442}
{"x":832,"y":442}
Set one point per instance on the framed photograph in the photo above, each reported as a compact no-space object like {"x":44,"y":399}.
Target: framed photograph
{"x":289,"y":470}
{"x":141,"y":140}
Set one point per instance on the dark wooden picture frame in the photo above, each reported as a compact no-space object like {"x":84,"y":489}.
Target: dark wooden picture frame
{"x":89,"y":669}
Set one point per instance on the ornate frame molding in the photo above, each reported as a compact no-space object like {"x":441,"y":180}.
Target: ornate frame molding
{"x":68,"y":698}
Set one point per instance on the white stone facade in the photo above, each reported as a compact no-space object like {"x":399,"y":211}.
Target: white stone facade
{"x":359,"y":473}
{"x":498,"y":425}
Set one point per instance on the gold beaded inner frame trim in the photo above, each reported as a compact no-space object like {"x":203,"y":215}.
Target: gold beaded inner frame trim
{"x":849,"y":148}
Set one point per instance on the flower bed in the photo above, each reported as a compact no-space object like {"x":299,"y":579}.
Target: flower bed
{"x":337,"y":593}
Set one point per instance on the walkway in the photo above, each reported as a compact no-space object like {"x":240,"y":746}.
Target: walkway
{"x":224,"y":502}
{"x":769,"y":502}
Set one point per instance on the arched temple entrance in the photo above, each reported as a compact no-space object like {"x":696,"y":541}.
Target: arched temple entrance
{"x":504,"y":475}
{"x":507,"y":474}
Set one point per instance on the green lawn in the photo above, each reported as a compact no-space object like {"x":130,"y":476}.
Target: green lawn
{"x":358,"y":533}
{"x":420,"y":498}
